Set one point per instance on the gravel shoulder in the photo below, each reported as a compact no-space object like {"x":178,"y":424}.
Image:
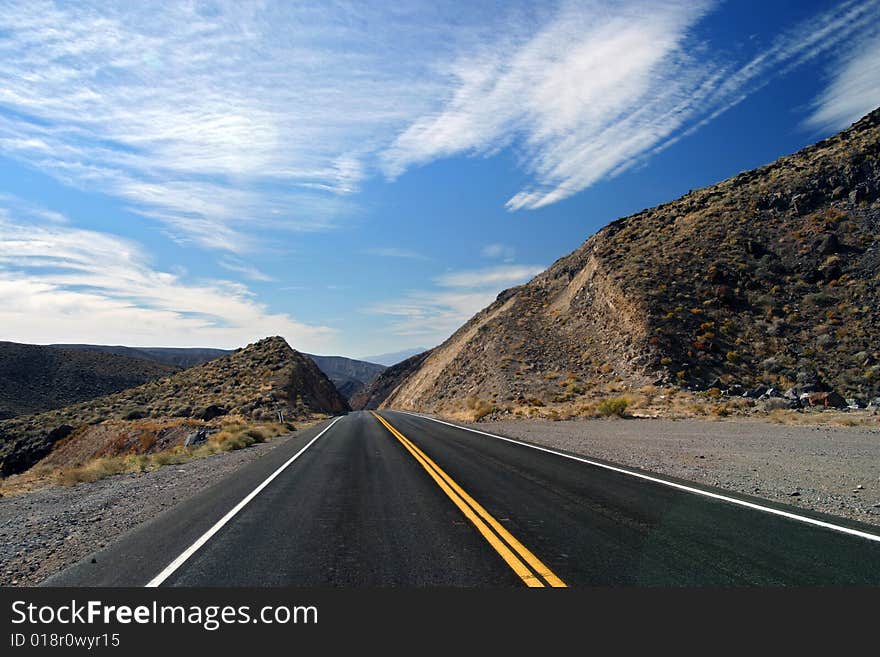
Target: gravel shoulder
{"x":833,"y":470}
{"x":44,"y":531}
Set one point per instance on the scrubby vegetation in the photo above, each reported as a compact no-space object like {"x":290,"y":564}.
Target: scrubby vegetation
{"x":615,"y":406}
{"x":229,"y":436}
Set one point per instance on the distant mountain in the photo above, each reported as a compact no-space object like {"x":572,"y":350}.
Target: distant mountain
{"x":394,"y":357}
{"x":254,"y":383}
{"x":348,"y":375}
{"x":766,"y":280}
{"x":35,"y":378}
{"x":182,"y":357}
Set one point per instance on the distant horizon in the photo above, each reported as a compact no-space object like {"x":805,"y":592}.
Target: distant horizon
{"x":363,"y":181}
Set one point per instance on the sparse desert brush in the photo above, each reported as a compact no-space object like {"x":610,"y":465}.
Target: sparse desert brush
{"x":481,"y":409}
{"x":92,"y":471}
{"x":613,"y":406}
{"x":237,"y":435}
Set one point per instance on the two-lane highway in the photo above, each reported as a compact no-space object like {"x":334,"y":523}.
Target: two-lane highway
{"x":394,"y":499}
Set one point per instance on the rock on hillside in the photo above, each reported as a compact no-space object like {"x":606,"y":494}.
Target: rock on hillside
{"x":255,"y":383}
{"x":768,"y":278}
{"x":35,"y":378}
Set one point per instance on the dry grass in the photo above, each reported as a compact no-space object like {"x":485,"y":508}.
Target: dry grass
{"x":614,"y":406}
{"x":655,"y":402}
{"x":234,"y":434}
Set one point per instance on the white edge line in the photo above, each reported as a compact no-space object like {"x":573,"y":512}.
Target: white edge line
{"x":204,"y":538}
{"x":672,"y":484}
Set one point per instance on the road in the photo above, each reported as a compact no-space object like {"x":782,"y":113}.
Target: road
{"x":394,"y":499}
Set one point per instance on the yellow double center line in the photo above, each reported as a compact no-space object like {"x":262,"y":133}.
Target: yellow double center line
{"x":525,"y":564}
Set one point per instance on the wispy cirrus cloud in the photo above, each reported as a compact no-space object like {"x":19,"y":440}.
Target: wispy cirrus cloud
{"x":602,"y":86}
{"x":246,"y":269}
{"x":63,"y":284}
{"x":222,"y":119}
{"x":432,"y":315}
{"x":488,"y":277}
{"x":854,"y":89}
{"x":505,"y":252}
{"x":395,"y":252}
{"x":214,"y":117}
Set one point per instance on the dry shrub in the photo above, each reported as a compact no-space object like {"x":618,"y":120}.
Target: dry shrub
{"x":614,"y":406}
{"x":234,"y":435}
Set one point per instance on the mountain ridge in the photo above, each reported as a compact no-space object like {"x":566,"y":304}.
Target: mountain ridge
{"x":768,"y":278}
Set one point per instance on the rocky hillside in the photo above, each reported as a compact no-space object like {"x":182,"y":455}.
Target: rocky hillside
{"x":181,"y":357}
{"x":348,"y":375}
{"x":384,"y":385}
{"x":35,"y":378}
{"x":770,"y":279}
{"x":252,"y":383}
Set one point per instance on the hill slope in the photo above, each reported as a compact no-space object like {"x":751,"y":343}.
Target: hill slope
{"x":348,"y":375}
{"x":382,"y":386}
{"x":182,"y":357}
{"x":35,"y":378}
{"x":770,"y":277}
{"x":252,"y":383}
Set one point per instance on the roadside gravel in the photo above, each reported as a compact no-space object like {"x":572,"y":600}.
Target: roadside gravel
{"x":833,"y":470}
{"x":44,"y":531}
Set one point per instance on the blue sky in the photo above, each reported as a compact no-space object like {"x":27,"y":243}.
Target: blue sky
{"x":363,"y":177}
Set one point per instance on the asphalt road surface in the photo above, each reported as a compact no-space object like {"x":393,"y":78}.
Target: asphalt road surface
{"x":402,"y":500}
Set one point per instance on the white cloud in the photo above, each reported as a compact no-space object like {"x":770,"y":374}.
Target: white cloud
{"x":394,"y":252}
{"x":855,"y":89}
{"x":505,"y":252}
{"x":432,"y":315}
{"x":63,"y":284}
{"x":489,"y":277}
{"x":247,"y":270}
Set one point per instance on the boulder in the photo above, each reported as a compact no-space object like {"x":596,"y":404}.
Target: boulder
{"x":828,"y":245}
{"x":755,"y":393}
{"x":198,"y":437}
{"x":770,"y":393}
{"x":210,"y":412}
{"x":825,"y":399}
{"x":775,"y":404}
